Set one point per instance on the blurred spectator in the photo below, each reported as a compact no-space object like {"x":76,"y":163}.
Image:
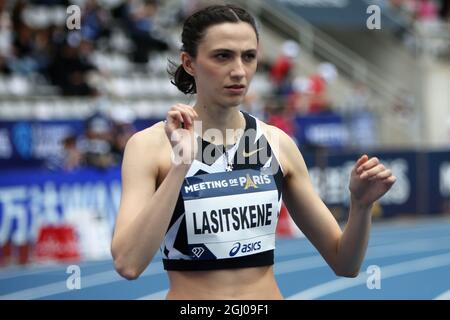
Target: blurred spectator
{"x":97,"y":142}
{"x":426,"y":10}
{"x":298,"y":102}
{"x":138,"y":19}
{"x":122,"y":129}
{"x":317,"y":88}
{"x":5,"y":37}
{"x":96,"y":21}
{"x":71,"y":67}
{"x":283,"y":67}
{"x":73,"y":157}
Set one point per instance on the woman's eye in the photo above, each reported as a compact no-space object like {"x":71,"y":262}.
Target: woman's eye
{"x":222,"y":56}
{"x":250,"y":57}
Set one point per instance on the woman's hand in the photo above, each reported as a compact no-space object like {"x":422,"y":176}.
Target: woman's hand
{"x":369,"y":181}
{"x":179,"y":127}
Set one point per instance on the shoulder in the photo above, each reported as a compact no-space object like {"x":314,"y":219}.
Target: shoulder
{"x":148,"y":143}
{"x":284,"y":147}
{"x":151,"y":137}
{"x":273,"y":131}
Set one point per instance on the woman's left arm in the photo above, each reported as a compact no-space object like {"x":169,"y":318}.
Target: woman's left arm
{"x":369,"y":181}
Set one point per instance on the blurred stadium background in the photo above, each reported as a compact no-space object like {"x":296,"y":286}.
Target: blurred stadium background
{"x":70,"y":99}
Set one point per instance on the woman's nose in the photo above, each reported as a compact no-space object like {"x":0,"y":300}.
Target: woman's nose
{"x":238,"y":70}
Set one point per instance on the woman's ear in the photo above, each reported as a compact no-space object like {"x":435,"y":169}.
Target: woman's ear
{"x":187,"y":63}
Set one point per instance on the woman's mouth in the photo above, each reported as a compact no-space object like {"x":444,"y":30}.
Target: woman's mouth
{"x":236,"y":89}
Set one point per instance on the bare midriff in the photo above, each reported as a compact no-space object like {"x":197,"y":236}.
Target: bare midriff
{"x":256,"y":283}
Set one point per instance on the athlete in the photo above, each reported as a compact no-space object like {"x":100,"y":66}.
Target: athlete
{"x":205,"y":186}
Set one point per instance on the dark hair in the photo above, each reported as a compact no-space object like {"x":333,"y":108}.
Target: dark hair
{"x":193,"y":32}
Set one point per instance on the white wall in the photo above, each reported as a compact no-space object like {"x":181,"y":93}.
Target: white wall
{"x":436,"y":103}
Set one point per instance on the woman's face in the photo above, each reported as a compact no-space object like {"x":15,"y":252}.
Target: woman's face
{"x":225,"y":64}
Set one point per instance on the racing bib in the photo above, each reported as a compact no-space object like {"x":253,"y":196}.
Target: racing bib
{"x":230,"y":214}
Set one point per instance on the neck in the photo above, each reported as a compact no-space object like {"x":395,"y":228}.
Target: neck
{"x":221,"y":120}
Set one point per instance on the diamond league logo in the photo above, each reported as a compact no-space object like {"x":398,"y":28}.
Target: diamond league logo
{"x":198,"y":251}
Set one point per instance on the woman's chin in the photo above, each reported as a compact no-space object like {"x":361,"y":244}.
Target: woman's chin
{"x":233,"y":101}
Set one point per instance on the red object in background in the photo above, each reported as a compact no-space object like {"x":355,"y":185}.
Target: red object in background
{"x":317,"y":87}
{"x":317,"y":84}
{"x":280,"y":69}
{"x":58,"y":243}
{"x":282,"y":122}
{"x":426,"y":10}
{"x":15,"y":254}
{"x":284,"y":226}
{"x":24,"y":252}
{"x":5,"y":254}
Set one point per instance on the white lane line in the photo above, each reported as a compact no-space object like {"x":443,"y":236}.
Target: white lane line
{"x":300,"y":264}
{"x":86,"y":282}
{"x":160,"y":295}
{"x":389,"y":271}
{"x":377,"y":238}
{"x":373,"y":247}
{"x":443,"y":296}
{"x":405,"y":247}
{"x":294,"y":250}
{"x":32,"y":269}
{"x":418,"y":246}
{"x":414,"y":225}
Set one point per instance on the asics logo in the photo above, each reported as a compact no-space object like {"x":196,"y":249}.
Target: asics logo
{"x":235,"y":249}
{"x":244,"y":248}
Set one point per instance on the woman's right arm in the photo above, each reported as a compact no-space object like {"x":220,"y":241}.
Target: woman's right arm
{"x":145,"y":211}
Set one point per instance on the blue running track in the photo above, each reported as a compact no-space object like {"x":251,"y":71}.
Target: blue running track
{"x":411,"y":257}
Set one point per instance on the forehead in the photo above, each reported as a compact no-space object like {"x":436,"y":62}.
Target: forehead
{"x":232,"y":36}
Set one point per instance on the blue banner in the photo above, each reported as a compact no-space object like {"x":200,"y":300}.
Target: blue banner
{"x":32,"y":197}
{"x":330,"y":175}
{"x":438,"y":163}
{"x":40,"y":143}
{"x":322,"y":130}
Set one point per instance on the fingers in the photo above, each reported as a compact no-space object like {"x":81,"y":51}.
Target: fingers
{"x":187,"y":113}
{"x":382,"y":173}
{"x":174,"y":117}
{"x":361,"y":160}
{"x":389,"y":180}
{"x":367,"y":165}
{"x":372,"y":170}
{"x":181,"y":114}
